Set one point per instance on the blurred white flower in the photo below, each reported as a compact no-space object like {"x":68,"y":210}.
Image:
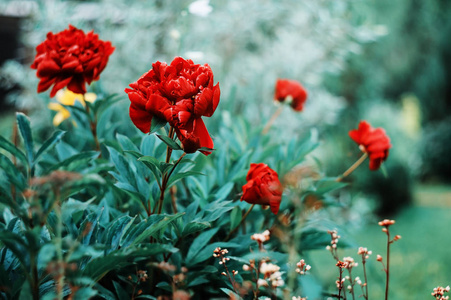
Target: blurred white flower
{"x":200,"y":8}
{"x":195,"y":55}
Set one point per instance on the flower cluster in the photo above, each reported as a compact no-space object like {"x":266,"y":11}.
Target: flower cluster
{"x":386,"y":222}
{"x":439,"y":293}
{"x":333,"y":243}
{"x":180,"y":94}
{"x":373,"y":141}
{"x":272,"y":274}
{"x":349,"y":262}
{"x":220,"y":253}
{"x":263,"y":187}
{"x":261,"y":237}
{"x":302,"y":267}
{"x":70,"y":58}
{"x":364,"y":252}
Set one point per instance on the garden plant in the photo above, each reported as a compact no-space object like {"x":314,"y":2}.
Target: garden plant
{"x":163,"y":207}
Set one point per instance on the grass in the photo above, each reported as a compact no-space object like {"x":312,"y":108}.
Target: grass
{"x":420,"y":261}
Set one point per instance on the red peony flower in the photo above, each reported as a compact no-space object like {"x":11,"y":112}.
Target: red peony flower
{"x":263,"y":187}
{"x":70,"y":58}
{"x":291,"y":91}
{"x":373,"y":141}
{"x":179,"y":93}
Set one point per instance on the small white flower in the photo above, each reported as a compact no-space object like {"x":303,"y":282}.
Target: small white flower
{"x":200,"y":8}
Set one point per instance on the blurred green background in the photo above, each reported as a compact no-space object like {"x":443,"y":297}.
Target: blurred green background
{"x":388,"y":62}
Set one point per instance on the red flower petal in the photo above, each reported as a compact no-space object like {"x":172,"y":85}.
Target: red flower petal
{"x":375,"y":142}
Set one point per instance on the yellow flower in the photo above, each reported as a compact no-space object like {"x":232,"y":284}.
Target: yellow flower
{"x":66,"y":97}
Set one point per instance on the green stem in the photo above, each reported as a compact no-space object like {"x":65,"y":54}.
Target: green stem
{"x":241,"y":222}
{"x":92,"y":125}
{"x":353,"y":167}
{"x":166,"y":180}
{"x":271,"y":121}
{"x":364,"y":276}
{"x":59,"y":246}
{"x":34,"y":277}
{"x":387,"y":269}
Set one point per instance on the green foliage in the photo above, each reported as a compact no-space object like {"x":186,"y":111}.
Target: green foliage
{"x":96,"y":209}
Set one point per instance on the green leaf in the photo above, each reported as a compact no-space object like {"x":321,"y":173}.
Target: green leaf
{"x":235,"y":217}
{"x":194,"y":226}
{"x":48,"y":144}
{"x":169,"y":142}
{"x":120,"y":291}
{"x":156,"y":124}
{"x":99,"y":267}
{"x":5,"y":198}
{"x":178,"y":176}
{"x":13,"y":174}
{"x":85,"y":293}
{"x":23,"y":122}
{"x":207,"y":252}
{"x":328,"y":184}
{"x":16,"y":245}
{"x":206,"y":149}
{"x":154,"y":228}
{"x":164,"y":286}
{"x":89,"y":155}
{"x":126,"y":143}
{"x":198,"y":280}
{"x":5,"y":144}
{"x":154,"y":166}
{"x":200,"y":242}
{"x":231,"y":294}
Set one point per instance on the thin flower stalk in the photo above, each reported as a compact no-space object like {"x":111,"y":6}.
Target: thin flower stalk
{"x":386,"y":224}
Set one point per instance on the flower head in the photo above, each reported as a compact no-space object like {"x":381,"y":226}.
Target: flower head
{"x":70,"y":58}
{"x":263,"y":187}
{"x":373,"y":141}
{"x":292,"y":92}
{"x":439,"y":293}
{"x":261,"y":237}
{"x":386,"y":222}
{"x":179,"y":93}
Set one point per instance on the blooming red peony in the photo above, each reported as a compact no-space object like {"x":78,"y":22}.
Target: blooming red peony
{"x":291,"y":91}
{"x":373,"y":141}
{"x":263,"y":187}
{"x":179,"y":93}
{"x":70,"y":58}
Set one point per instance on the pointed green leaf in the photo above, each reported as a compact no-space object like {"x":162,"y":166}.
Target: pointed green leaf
{"x":48,"y":144}
{"x":231,"y":294}
{"x":193,"y":227}
{"x":5,"y":144}
{"x":200,"y":242}
{"x":89,"y":155}
{"x":154,"y":228}
{"x":206,"y":149}
{"x":235,"y":217}
{"x":23,"y":122}
{"x":328,"y":184}
{"x":169,"y":142}
{"x":99,"y":267}
{"x":178,"y":176}
{"x":156,"y":124}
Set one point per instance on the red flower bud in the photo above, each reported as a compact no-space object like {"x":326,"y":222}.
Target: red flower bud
{"x":70,"y":58}
{"x":291,"y":90}
{"x":179,"y":93}
{"x":263,"y":187}
{"x":373,"y":141}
